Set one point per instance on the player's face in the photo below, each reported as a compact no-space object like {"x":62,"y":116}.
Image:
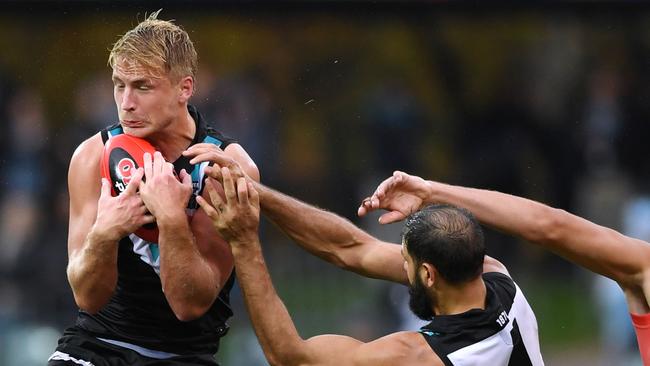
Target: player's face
{"x":420,"y":302}
{"x":408,"y":264}
{"x":146,"y":102}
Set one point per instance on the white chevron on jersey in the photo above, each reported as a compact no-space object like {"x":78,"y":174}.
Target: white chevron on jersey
{"x":498,"y":348}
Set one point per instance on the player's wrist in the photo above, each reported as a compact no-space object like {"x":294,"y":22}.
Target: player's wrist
{"x":99,"y":234}
{"x":245,"y":246}
{"x":173,"y":221}
{"x":432,"y":193}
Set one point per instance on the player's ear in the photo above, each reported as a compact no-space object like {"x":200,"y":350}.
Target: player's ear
{"x":186,"y":89}
{"x":428,"y":274}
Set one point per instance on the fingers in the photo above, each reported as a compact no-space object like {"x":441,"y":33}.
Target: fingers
{"x":106,"y":189}
{"x":361,"y":211}
{"x":391,"y":217}
{"x":365,"y":207}
{"x":242,"y":191}
{"x":200,"y":148}
{"x":214,"y":172}
{"x":212,"y":156}
{"x":186,"y":179}
{"x":254,"y":195}
{"x":380,"y":192}
{"x":389,"y":183}
{"x":158,"y":163}
{"x":134,"y":184}
{"x":207,"y":207}
{"x":147,"y":219}
{"x":228,"y":186}
{"x":148,"y":167}
{"x":207,"y":152}
{"x":168,"y":168}
{"x":216,"y":199}
{"x":141,"y":186}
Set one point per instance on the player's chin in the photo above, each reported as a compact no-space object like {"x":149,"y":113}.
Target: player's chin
{"x":140,"y":131}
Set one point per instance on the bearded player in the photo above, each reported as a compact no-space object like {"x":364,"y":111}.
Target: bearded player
{"x":143,"y":302}
{"x":478,"y":315}
{"x":602,"y":250}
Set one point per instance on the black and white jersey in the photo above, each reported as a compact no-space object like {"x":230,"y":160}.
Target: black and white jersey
{"x":504,"y":334}
{"x":138,"y":316}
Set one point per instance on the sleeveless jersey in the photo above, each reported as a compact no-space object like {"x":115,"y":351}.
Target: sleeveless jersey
{"x":504,"y":334}
{"x":138,"y":312}
{"x":642,"y":329}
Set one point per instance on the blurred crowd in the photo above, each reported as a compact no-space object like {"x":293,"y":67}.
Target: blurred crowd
{"x":550,"y":107}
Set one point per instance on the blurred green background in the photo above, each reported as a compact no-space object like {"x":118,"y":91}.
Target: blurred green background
{"x":546,"y":101}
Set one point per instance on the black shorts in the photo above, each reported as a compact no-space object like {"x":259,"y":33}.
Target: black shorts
{"x":85,"y":350}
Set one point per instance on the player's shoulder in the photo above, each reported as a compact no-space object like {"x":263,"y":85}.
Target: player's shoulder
{"x":400,"y":348}
{"x":215,"y":136}
{"x":86,"y":157}
{"x":89,"y":147}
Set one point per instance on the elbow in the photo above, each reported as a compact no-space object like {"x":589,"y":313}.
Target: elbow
{"x":89,"y":294}
{"x":90,"y":304}
{"x":91,"y":299}
{"x":274,"y":360}
{"x":349,"y":255}
{"x":282,"y":361}
{"x":189,"y":312}
{"x":341,"y":260}
{"x":346,"y":258}
{"x":343,"y":256}
{"x":187,"y":301}
{"x":290,"y":356}
{"x":187,"y":315}
{"x":88,"y":307}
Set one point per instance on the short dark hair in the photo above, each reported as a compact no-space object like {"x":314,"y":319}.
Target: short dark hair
{"x":447,"y":237}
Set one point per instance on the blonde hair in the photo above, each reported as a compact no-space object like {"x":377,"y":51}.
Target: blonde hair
{"x":158,"y":45}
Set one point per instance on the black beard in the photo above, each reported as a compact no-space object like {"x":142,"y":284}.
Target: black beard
{"x":420,"y":303}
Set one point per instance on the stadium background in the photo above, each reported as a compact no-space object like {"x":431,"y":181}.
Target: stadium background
{"x":548,"y":101}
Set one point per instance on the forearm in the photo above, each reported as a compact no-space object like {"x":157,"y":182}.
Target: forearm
{"x":271,"y":321}
{"x":514,"y":215}
{"x":187,"y":279}
{"x":92,"y":272}
{"x":331,"y":237}
{"x":592,"y":246}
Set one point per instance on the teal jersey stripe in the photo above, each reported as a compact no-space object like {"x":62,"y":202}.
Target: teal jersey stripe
{"x":213,"y":140}
{"x":116,"y":131}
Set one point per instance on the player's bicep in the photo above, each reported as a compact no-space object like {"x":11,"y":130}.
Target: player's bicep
{"x":402,"y":348}
{"x":330,"y":349}
{"x":84,"y":183}
{"x":237,"y":153}
{"x":382,"y":260}
{"x":604,"y":251}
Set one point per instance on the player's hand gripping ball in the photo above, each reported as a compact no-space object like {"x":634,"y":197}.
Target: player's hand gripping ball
{"x":122,"y":156}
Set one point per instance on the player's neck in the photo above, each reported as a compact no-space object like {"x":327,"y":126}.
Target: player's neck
{"x":459,"y":299}
{"x":176,"y":138}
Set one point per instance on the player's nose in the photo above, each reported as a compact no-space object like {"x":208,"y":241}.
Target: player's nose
{"x":128,"y":100}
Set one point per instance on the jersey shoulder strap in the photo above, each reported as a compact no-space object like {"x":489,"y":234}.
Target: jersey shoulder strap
{"x":110,"y":131}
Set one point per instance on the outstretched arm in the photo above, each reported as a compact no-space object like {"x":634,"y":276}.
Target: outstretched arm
{"x":322,"y":233}
{"x":600,"y":249}
{"x":332,"y":237}
{"x":237,"y":219}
